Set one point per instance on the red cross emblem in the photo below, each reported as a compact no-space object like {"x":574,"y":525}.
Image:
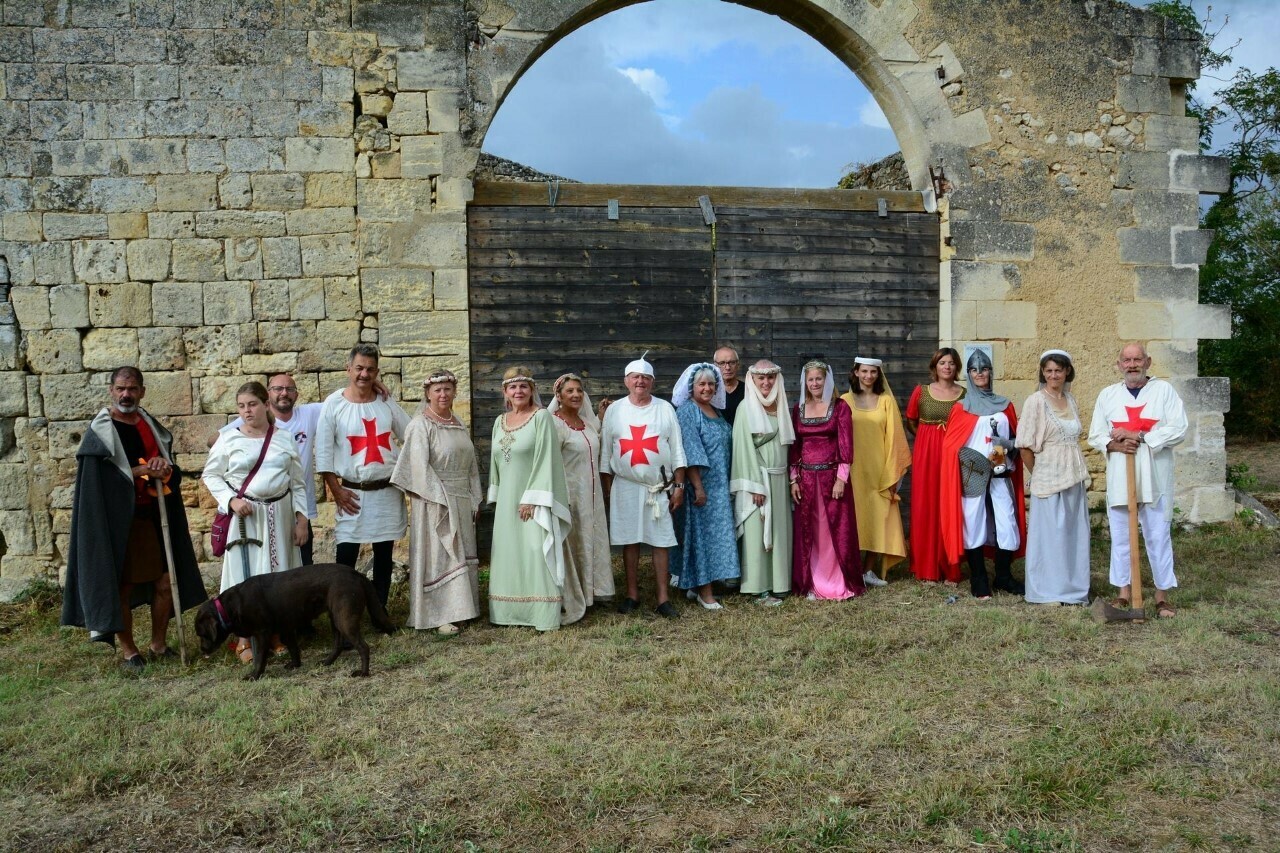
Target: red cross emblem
{"x":1136,"y":421}
{"x":370,"y":442}
{"x":637,"y":445}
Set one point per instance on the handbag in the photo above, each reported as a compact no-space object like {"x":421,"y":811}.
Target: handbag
{"x":221,"y":527}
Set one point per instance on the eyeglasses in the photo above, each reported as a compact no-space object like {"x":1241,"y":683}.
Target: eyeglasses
{"x":283,"y":389}
{"x":727,"y":363}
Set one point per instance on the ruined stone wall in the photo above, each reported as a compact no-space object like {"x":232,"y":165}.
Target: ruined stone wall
{"x":217,"y":189}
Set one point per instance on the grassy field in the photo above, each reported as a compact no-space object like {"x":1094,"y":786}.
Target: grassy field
{"x":902,"y":721}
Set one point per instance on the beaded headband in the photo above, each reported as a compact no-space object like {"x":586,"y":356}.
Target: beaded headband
{"x":528,"y":379}
{"x":440,"y":377}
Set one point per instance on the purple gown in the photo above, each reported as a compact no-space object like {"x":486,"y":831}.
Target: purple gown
{"x":824,"y":556}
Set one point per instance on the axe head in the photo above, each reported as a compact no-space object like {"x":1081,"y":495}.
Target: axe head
{"x":1104,"y":613}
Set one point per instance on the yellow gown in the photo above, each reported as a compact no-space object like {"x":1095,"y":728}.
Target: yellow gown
{"x":880,"y":458}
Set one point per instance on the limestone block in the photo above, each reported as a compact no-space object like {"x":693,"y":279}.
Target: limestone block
{"x":99,"y":82}
{"x":123,"y":195}
{"x":212,"y":350}
{"x":1203,"y":322}
{"x":441,"y":241}
{"x":74,"y":226}
{"x":72,"y":396}
{"x":154,"y":156}
{"x":191,"y":432}
{"x":169,"y":393}
{"x":99,"y":261}
{"x":197,"y":260}
{"x":206,"y":155}
{"x":401,"y":289}
{"x":107,"y":349}
{"x":1191,"y":245}
{"x":21,"y":267}
{"x":124,"y":120}
{"x":983,"y":281}
{"x":56,"y":351}
{"x":444,"y":114}
{"x":340,"y":335}
{"x":1197,"y":173}
{"x":454,"y":193}
{"x":269,"y":365}
{"x":392,"y":200}
{"x":271,"y":298}
{"x":328,"y":254}
{"x":337,"y":85}
{"x":240,"y":223}
{"x":1208,"y":503}
{"x":287,"y":336}
{"x":120,"y":305}
{"x":408,"y":114}
{"x":421,"y":156}
{"x":319,"y":154}
{"x":336,"y":48}
{"x":83,"y":158}
{"x":127,"y":226}
{"x":65,"y":438}
{"x":243,"y":258}
{"x":160,"y":348}
{"x":1174,"y":357}
{"x":1000,"y":319}
{"x":21,"y":227}
{"x":178,"y":303}
{"x":13,"y":394}
{"x":281,"y":258}
{"x":324,"y":119}
{"x":385,"y":164}
{"x":171,"y":226}
{"x":449,"y":290}
{"x":235,"y":191}
{"x":285,"y":191}
{"x":1158,"y":208}
{"x":52,"y":263}
{"x":423,"y":333}
{"x":375,"y":104}
{"x":1142,"y":94}
{"x":306,"y":299}
{"x":342,"y":298}
{"x":331,"y":190}
{"x":1148,"y":246}
{"x":255,"y":155}
{"x":21,"y":569}
{"x":69,"y":306}
{"x":228,"y":302}
{"x":148,"y":260}
{"x":1143,"y":321}
{"x":1167,"y":133}
{"x":187,"y":192}
{"x":991,"y":241}
{"x":36,"y":81}
{"x":428,"y":69}
{"x":155,"y":82}
{"x":322,"y":220}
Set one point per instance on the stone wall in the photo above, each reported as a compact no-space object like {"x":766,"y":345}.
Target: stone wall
{"x":216,"y":189}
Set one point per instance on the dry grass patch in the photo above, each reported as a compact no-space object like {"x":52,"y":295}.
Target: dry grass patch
{"x":897,"y":722}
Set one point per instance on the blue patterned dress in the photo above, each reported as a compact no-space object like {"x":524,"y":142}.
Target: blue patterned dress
{"x":708,"y":549}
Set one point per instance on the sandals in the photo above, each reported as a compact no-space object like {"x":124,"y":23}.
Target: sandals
{"x":1122,"y":603}
{"x":1165,"y":610}
{"x":244,"y":650}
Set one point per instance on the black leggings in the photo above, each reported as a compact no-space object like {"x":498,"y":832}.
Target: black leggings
{"x":348,"y":552}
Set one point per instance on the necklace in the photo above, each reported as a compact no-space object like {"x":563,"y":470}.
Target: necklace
{"x":451,"y":420}
{"x":509,"y":436}
{"x":1059,"y":396}
{"x":579,"y":426}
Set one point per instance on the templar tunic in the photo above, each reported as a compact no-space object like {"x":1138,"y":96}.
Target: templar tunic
{"x":764,"y":532}
{"x":973,"y":522}
{"x":276,"y":492}
{"x":589,"y":536}
{"x":927,"y":560}
{"x":880,"y":458}
{"x":638,"y":442}
{"x":437,"y":469}
{"x":360,"y":442}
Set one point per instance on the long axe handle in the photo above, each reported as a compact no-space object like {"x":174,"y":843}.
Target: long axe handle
{"x":173,"y":571}
{"x":1135,"y":571}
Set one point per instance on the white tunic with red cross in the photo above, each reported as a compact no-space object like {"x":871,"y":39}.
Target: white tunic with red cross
{"x":360,"y":442}
{"x":637,"y":443}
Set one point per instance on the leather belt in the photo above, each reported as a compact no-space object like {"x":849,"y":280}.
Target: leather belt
{"x":824,"y":466}
{"x":367,"y":485}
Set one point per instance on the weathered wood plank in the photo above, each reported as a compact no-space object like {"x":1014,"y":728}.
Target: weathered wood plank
{"x":496,"y":193}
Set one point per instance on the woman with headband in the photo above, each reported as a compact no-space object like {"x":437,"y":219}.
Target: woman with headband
{"x":824,"y":551}
{"x":983,"y":507}
{"x":528,"y":561}
{"x":880,"y":458}
{"x":579,"y":431}
{"x":927,"y":412}
{"x":707,"y":552}
{"x":762,"y":434}
{"x":437,"y":469}
{"x":1058,"y":532}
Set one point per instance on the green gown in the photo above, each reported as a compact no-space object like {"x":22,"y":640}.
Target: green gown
{"x":528,"y":558}
{"x":762,"y":571}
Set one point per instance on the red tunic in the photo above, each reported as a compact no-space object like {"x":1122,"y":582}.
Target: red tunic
{"x":927,"y":561}
{"x":959,"y":428}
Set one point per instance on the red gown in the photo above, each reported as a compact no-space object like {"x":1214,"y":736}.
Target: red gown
{"x":927,"y":561}
{"x":959,"y":427}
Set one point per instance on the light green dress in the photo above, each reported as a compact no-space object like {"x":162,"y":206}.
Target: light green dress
{"x":528,"y":558}
{"x":760,"y":467}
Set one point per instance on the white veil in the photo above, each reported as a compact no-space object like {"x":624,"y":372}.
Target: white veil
{"x":754,"y":402}
{"x":587,"y":412}
{"x":683,"y":389}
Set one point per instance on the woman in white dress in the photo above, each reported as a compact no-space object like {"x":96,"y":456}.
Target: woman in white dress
{"x":273,"y":509}
{"x":437,"y":469}
{"x":1058,"y":530}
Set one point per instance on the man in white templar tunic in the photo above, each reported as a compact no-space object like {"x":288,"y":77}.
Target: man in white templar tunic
{"x":639,"y":438}
{"x":357,"y":444}
{"x":1144,"y":418}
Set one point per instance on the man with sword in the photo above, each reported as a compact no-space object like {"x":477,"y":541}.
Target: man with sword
{"x":117,"y":559}
{"x":1137,"y":423}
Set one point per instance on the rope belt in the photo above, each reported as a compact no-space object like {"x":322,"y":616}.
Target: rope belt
{"x":368,"y":485}
{"x":652,"y":500}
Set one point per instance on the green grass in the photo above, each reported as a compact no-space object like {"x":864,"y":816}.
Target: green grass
{"x":897,"y":722}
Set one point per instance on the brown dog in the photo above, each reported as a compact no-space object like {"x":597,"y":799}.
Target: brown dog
{"x":283,"y":602}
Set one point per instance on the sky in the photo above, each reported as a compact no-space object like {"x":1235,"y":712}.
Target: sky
{"x":706,"y":92}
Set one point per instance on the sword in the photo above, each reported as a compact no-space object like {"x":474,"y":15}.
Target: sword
{"x":242,"y":543}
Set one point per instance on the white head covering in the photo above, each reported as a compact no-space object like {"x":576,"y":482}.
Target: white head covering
{"x":1062,"y":355}
{"x":879,"y":365}
{"x":639,"y":366}
{"x":533,"y":383}
{"x":754,"y":402}
{"x":828,"y":388}
{"x":587,"y":412}
{"x":683,"y":390}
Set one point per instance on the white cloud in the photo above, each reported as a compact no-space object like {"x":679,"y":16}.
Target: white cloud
{"x":650,"y":82}
{"x":872,"y":116}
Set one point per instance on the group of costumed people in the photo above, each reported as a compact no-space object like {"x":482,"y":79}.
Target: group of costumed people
{"x":733,"y":487}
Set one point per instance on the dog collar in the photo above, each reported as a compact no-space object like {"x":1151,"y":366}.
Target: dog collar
{"x":221,"y":613}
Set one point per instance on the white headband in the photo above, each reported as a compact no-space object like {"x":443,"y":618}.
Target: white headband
{"x":528,"y":379}
{"x":1060,"y":352}
{"x":870,"y":362}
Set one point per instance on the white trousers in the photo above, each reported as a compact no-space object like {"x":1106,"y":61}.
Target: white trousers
{"x":1154,"y":521}
{"x":978,"y":518}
